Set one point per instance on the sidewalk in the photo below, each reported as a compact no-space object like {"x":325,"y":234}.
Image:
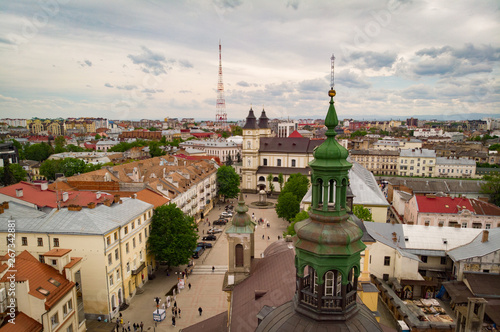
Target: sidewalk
{"x":206,"y":291}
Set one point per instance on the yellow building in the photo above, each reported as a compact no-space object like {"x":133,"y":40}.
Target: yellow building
{"x":111,"y":239}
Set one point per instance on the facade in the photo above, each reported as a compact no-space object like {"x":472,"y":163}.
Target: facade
{"x":417,"y":162}
{"x":47,"y":293}
{"x":380,"y":162}
{"x":432,"y":210}
{"x":110,"y":239}
{"x":105,"y":145}
{"x":88,"y":157}
{"x":8,"y":151}
{"x":455,"y":167}
{"x":219,"y":148}
{"x":286,"y":128}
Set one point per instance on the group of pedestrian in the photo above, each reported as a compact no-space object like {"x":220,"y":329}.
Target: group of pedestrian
{"x":124,"y":328}
{"x":176,"y":312}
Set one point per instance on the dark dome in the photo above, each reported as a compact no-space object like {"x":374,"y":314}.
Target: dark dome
{"x":286,"y":319}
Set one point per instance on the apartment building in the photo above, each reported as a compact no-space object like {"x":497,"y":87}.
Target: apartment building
{"x":380,"y":162}
{"x":417,"y":162}
{"x":455,"y":167}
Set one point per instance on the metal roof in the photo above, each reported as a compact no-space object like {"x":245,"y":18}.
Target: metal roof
{"x":476,"y":248}
{"x":455,"y":161}
{"x":423,"y":153}
{"x":364,"y":187}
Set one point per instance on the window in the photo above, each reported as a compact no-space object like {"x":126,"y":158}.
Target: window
{"x":140,"y":238}
{"x":329,"y":283}
{"x":423,"y":259}
{"x":116,"y":254}
{"x":239,"y":255}
{"x":278,"y":162}
{"x":387,"y":261}
{"x":40,"y":242}
{"x":443,"y":260}
{"x":56,"y":242}
{"x":125,"y":230}
{"x":133,"y":242}
{"x":41,"y":258}
{"x":488,"y":226}
{"x":140,"y":255}
{"x":70,"y":328}
{"x":54,"y":320}
{"x":110,"y":260}
{"x":133,"y":224}
{"x":464,"y":225}
{"x":108,"y":240}
{"x":293,"y":163}
{"x":261,"y":178}
{"x":111,"y":280}
{"x":118,"y":274}
{"x":116,"y":236}
{"x":128,"y":267}
{"x":126,"y":248}
{"x":24,"y":241}
{"x":145,"y":233}
{"x":139,"y":220}
{"x":264,"y":161}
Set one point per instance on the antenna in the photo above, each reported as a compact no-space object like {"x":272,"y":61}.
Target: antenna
{"x":220,"y":112}
{"x":332,"y":92}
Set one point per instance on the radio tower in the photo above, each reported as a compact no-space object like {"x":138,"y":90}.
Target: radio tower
{"x":220,"y":110}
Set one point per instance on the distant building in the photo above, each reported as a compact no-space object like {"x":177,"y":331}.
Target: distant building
{"x":417,"y":162}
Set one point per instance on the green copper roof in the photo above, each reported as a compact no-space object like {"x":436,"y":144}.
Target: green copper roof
{"x":242,"y":222}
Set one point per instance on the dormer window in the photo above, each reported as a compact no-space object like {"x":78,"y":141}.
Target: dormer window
{"x":54,"y":282}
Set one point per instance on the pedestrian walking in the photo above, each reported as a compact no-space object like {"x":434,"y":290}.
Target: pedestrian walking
{"x":173,"y":320}
{"x":142,"y":327}
{"x":175,"y":312}
{"x":179,"y":313}
{"x":213,"y":269}
{"x":129,"y":326}
{"x":135,"y":327}
{"x":189,"y":285}
{"x":262,"y":236}
{"x":175,"y":304}
{"x":268,"y":238}
{"x":200,"y":310}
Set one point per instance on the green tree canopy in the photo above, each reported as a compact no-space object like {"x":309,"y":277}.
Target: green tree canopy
{"x":153,"y":129}
{"x":237,"y":131}
{"x":11,"y":173}
{"x":155,"y":150}
{"x":281,"y":181}
{"x":20,"y":149}
{"x":362,"y":213}
{"x":124,"y":146}
{"x":297,"y":184}
{"x":228,"y":182}
{"x":492,"y":187}
{"x":270,"y":178}
{"x":67,"y":166}
{"x":290,"y":230}
{"x":97,"y":136}
{"x":59,"y":144}
{"x":38,"y":152}
{"x":358,"y":133}
{"x":288,"y":206}
{"x":173,"y":235}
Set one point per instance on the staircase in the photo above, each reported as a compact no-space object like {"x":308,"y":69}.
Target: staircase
{"x":207,"y":269}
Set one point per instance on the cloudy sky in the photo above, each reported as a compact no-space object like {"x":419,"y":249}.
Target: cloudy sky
{"x":159,"y":58}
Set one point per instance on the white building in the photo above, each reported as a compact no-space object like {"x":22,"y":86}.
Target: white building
{"x":219,"y":148}
{"x":455,"y":167}
{"x":417,"y":162}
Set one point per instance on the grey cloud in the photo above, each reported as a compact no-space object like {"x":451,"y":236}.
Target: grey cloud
{"x":313,"y":85}
{"x":418,"y":92}
{"x":185,"y":91}
{"x":108,"y":85}
{"x":185,"y":64}
{"x":228,"y":3}
{"x":372,"y":60}
{"x":243,"y":84}
{"x":469,"y":52}
{"x":351,"y":79}
{"x":293,"y":3}
{"x":151,"y":90}
{"x":126,"y":87}
{"x":149,"y":61}
{"x":438,"y":66}
{"x":88,"y":62}
{"x":6,"y":41}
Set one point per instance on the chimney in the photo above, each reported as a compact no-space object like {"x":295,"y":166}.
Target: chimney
{"x":1,"y":209}
{"x":19,"y":192}
{"x":98,"y":195}
{"x":44,"y":186}
{"x":5,"y":205}
{"x":116,"y":198}
{"x":134,"y":196}
{"x":65,"y":196}
{"x":485,"y":236}
{"x":91,"y":205}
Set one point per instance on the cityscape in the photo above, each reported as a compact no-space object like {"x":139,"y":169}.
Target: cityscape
{"x":229,"y":165}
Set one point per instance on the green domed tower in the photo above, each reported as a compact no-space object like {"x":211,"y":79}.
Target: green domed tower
{"x":328,"y":244}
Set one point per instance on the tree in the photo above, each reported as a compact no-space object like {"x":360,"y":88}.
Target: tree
{"x":297,"y":184}
{"x":229,"y":160}
{"x":237,"y":131}
{"x":492,"y":187}
{"x":7,"y":173}
{"x":163,"y":140}
{"x":225,"y":134}
{"x":38,"y":152}
{"x":271,"y":184}
{"x":288,"y":206}
{"x":74,"y":148}
{"x":97,"y":136}
{"x":59,"y":144}
{"x":228,"y":182}
{"x":155,"y":150}
{"x":362,"y":213}
{"x":49,"y":168}
{"x":67,"y":166}
{"x":153,"y":129}
{"x":173,"y":235}
{"x":280,"y":181}
{"x":290,"y":230}
{"x":20,"y":149}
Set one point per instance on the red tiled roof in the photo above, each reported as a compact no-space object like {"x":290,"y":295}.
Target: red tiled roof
{"x":24,"y":323}
{"x":202,"y":134}
{"x":295,"y":134}
{"x":183,"y":156}
{"x":57,"y":252}
{"x":484,"y":208}
{"x":443,"y":204}
{"x":33,"y":193}
{"x":28,"y":268}
{"x":74,"y":260}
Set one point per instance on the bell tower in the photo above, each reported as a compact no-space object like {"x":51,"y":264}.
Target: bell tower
{"x":328,"y":244}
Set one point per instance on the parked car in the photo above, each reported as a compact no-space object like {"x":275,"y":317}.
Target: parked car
{"x":204,"y":245}
{"x":214,"y":230}
{"x":220,"y":222}
{"x":198,"y":252}
{"x":226,"y":214}
{"x":209,"y":238}
{"x":228,"y":207}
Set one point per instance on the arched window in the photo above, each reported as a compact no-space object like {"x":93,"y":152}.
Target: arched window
{"x":329,"y":285}
{"x":249,"y":145}
{"x":238,"y":255}
{"x":293,"y":163}
{"x":278,"y":162}
{"x":261,"y":178}
{"x":275,"y":179}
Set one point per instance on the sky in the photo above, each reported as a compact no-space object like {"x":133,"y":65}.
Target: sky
{"x":154,"y":59}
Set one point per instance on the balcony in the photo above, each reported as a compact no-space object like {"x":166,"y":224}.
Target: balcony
{"x":139,"y":269}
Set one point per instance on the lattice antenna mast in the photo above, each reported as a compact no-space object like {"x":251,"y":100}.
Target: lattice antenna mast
{"x":220,"y":113}
{"x":332,"y":78}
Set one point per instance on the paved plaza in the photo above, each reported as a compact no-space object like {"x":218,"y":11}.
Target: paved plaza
{"x":206,"y":285}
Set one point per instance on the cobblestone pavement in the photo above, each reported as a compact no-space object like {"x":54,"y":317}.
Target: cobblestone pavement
{"x":206,"y":286}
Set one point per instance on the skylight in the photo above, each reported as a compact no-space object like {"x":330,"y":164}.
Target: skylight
{"x":54,"y":282}
{"x":43,"y":291}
